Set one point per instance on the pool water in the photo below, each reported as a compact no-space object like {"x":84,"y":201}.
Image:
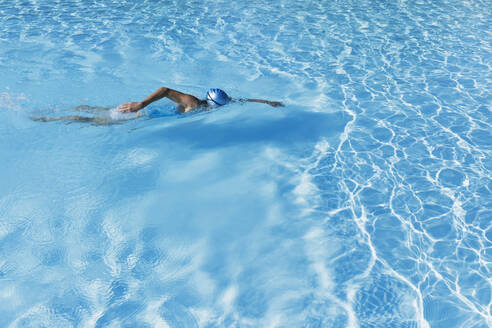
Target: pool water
{"x":365,"y":202}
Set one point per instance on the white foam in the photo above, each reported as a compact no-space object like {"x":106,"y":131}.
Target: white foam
{"x":12,"y":101}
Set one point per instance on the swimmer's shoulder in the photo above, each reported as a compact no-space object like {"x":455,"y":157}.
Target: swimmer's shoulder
{"x":192,"y":105}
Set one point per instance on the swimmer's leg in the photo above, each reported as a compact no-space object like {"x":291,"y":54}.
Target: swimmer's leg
{"x":90,"y":109}
{"x":84,"y":119}
{"x":73,"y":118}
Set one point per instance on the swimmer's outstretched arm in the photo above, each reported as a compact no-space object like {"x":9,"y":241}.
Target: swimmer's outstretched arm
{"x":187,"y":102}
{"x":268,"y":102}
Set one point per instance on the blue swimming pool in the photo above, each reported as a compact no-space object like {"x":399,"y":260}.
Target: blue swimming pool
{"x":365,"y":202}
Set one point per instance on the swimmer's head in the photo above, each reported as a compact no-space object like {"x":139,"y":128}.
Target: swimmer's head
{"x":217,"y":97}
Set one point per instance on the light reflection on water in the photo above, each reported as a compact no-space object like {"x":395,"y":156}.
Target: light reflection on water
{"x":365,"y":202}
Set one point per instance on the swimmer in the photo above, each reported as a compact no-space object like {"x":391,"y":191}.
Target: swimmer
{"x":187,"y":102}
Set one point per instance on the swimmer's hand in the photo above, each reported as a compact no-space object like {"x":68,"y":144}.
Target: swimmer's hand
{"x":130,"y":107}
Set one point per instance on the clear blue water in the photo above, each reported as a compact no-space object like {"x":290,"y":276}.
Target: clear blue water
{"x":365,"y":202}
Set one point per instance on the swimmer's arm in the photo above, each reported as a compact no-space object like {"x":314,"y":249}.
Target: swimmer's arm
{"x":187,"y":101}
{"x":268,"y":102}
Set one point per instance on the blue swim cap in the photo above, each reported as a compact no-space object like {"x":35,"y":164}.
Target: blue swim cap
{"x":217,"y":97}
